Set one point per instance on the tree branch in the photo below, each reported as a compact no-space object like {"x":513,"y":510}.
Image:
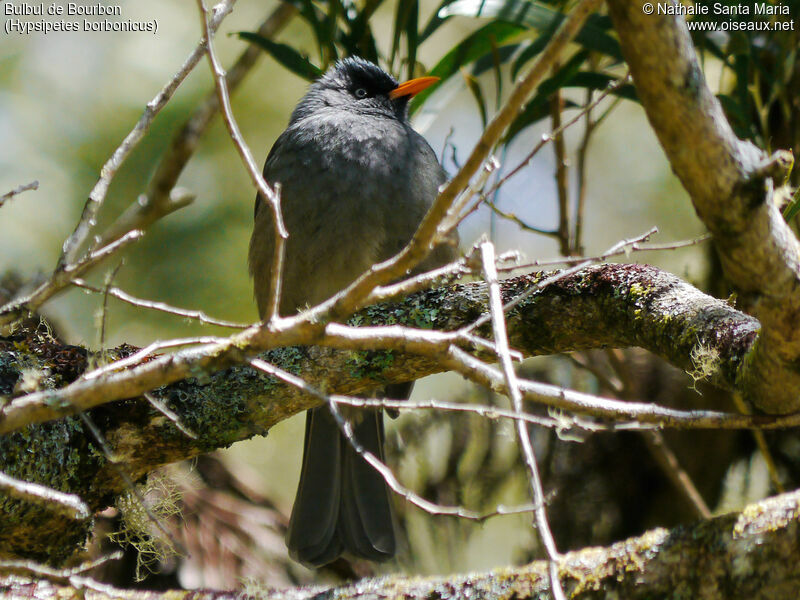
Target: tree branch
{"x":738,"y":556}
{"x":607,"y":305}
{"x":729,"y":181}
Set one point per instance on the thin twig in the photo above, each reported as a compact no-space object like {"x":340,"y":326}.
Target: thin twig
{"x":114,"y":462}
{"x":509,"y":216}
{"x":610,"y":408}
{"x":428,"y":233}
{"x":98,"y":194}
{"x":50,"y":573}
{"x":62,"y":503}
{"x":477,"y":187}
{"x":140,"y":355}
{"x":62,"y":278}
{"x":162,"y":197}
{"x":763,"y":448}
{"x":618,"y":247}
{"x":677,"y":474}
{"x":33,"y":185}
{"x":634,"y":247}
{"x":197,"y":315}
{"x":109,"y":279}
{"x":582,"y":159}
{"x":549,"y":137}
{"x":375,"y":462}
{"x":269,"y":195}
{"x":436,"y":277}
{"x":562,"y":183}
{"x":485,"y":411}
{"x":512,"y":386}
{"x":171,"y":415}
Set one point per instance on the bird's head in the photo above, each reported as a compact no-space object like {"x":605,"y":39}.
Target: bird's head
{"x":357,"y":85}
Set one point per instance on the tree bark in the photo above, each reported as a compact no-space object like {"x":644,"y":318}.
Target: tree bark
{"x":749,"y":555}
{"x":602,"y":306}
{"x":730,"y":183}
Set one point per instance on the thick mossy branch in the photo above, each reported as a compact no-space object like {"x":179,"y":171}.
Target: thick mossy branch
{"x":603,"y":306}
{"x":739,"y":556}
{"x":729,"y":182}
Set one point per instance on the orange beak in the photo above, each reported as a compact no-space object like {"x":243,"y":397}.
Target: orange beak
{"x":412,"y":87}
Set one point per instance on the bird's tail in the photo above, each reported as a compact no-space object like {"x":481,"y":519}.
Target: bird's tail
{"x":342,"y":502}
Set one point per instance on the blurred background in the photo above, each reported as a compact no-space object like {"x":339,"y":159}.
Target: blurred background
{"x":68,"y":99}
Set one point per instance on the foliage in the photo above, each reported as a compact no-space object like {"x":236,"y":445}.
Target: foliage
{"x":760,"y":80}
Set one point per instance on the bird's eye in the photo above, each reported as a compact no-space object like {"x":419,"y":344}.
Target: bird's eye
{"x":360,"y":93}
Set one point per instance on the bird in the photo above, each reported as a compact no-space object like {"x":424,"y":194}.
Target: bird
{"x":356,"y":180}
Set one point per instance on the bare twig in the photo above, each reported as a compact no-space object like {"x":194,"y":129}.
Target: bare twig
{"x":165,"y":410}
{"x":509,"y":216}
{"x":98,"y":194}
{"x":268,"y":195}
{"x":512,"y":386}
{"x":161,"y":197}
{"x":582,"y":160}
{"x":763,"y":448}
{"x":407,"y":494}
{"x":375,"y":462}
{"x":109,"y":279}
{"x":48,"y":572}
{"x":441,"y":276}
{"x":677,"y":474}
{"x":562,"y":183}
{"x":612,"y":252}
{"x":62,"y":278}
{"x":549,"y":137}
{"x":69,"y":505}
{"x":197,"y":315}
{"x":618,"y":247}
{"x":487,"y":412}
{"x":609,"y":408}
{"x":429,"y":231}
{"x":140,"y":355}
{"x":114,"y":462}
{"x":33,"y":185}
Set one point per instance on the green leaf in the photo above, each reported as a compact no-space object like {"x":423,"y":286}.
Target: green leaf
{"x":406,"y":21}
{"x":330,"y":30}
{"x":312,"y":16}
{"x":496,"y":57}
{"x":539,"y":106}
{"x":359,"y":40}
{"x":412,"y":38}
{"x":600,"y":82}
{"x":736,"y":116}
{"x":536,"y":15}
{"x":467,"y":51}
{"x":532,"y":50}
{"x":793,"y":207}
{"x":474,"y":87}
{"x":435,"y":22}
{"x":285,"y":55}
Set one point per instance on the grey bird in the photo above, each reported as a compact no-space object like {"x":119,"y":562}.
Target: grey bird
{"x":356,"y":181}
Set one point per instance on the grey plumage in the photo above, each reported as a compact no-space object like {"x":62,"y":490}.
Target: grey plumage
{"x":356,"y":180}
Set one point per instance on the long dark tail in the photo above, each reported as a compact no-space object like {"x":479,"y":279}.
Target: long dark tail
{"x":342,"y":502}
